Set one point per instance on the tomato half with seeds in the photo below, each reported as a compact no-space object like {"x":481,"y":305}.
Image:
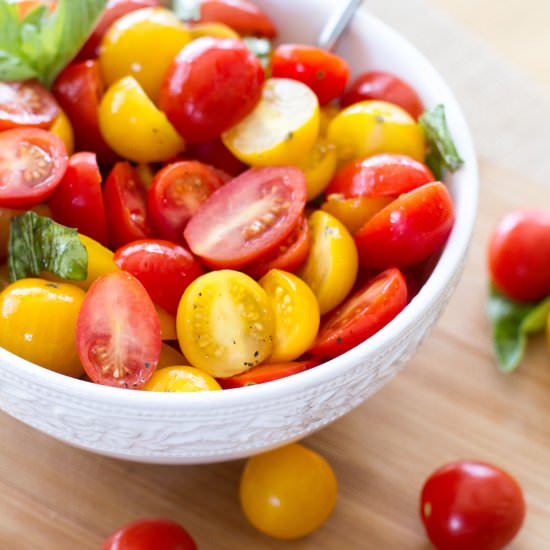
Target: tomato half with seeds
{"x":248,"y":217}
{"x":363,"y":314}
{"x":32,"y":163}
{"x":176,"y":194}
{"x":26,"y":104}
{"x":118,"y":332}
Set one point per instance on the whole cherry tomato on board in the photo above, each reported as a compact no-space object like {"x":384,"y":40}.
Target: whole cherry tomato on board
{"x":471,"y":505}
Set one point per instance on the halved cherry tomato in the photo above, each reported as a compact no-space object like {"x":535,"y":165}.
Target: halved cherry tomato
{"x":78,"y":201}
{"x":176,"y":194}
{"x":408,"y":230}
{"x":32,"y":163}
{"x":79,"y":89}
{"x":240,"y":15}
{"x":319,"y":167}
{"x":62,"y":128}
{"x":26,"y":104}
{"x":248,"y":217}
{"x":218,"y":155}
{"x":165,"y":269}
{"x":180,"y":378}
{"x":325,"y":73}
{"x":212,"y":85}
{"x":125,"y":206}
{"x":266,"y":373}
{"x":150,"y":534}
{"x":362,"y":315}
{"x":384,"y":86}
{"x":118,"y":332}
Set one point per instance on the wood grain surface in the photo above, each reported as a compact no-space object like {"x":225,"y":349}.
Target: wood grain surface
{"x":448,"y":403}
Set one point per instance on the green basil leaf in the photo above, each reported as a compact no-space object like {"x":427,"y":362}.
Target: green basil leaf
{"x":187,"y":10}
{"x":261,"y":48}
{"x":38,"y":244}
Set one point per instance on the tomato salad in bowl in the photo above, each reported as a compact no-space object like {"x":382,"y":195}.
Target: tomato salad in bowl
{"x":236,"y":209}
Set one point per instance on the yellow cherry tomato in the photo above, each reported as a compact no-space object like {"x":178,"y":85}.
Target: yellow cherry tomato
{"x":4,"y":276}
{"x":181,"y":379}
{"x":288,"y":493}
{"x":296,"y":314}
{"x":38,"y":323}
{"x":332,"y":264}
{"x":63,"y":129}
{"x":282,"y":128}
{"x":225,"y":323}
{"x":371,"y":127}
{"x":133,"y":126}
{"x":168,"y":330}
{"x":215,"y":30}
{"x":328,"y":114}
{"x":142,"y":44}
{"x":146,"y":175}
{"x":356,"y":212}
{"x":170,"y":357}
{"x":319,"y":167}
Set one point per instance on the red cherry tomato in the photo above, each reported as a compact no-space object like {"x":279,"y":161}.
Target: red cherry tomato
{"x":471,"y":505}
{"x":78,"y":200}
{"x":248,"y":217}
{"x":383,"y":86}
{"x":408,"y":230}
{"x":118,"y":332}
{"x":165,"y":269}
{"x":218,"y":155}
{"x":79,"y":89}
{"x":32,"y":163}
{"x":518,"y":255}
{"x":384,"y":175}
{"x":363,"y":314}
{"x":325,"y":73}
{"x":26,"y":104}
{"x":125,"y":206}
{"x":241,"y":15}
{"x":212,"y":85}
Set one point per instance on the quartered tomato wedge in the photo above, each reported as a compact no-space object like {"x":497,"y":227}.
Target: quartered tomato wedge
{"x":248,"y":217}
{"x":32,"y":163}
{"x":26,"y":104}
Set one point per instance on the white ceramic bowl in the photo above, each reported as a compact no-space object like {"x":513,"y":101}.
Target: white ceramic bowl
{"x":218,"y":426}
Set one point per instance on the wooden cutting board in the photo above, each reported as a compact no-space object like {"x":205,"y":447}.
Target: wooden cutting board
{"x":449,"y":402}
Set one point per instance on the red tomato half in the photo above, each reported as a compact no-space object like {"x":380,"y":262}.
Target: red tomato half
{"x":241,"y":15}
{"x":325,"y":73}
{"x":471,"y":505}
{"x":165,"y":269}
{"x":125,"y":206}
{"x":248,"y":217}
{"x":212,"y":85}
{"x":384,"y":87}
{"x":362,"y":315}
{"x":218,"y":155}
{"x":78,"y":200}
{"x":118,"y":332}
{"x":32,"y":163}
{"x":176,"y":194}
{"x":518,"y":255}
{"x":410,"y":229}
{"x":385,"y":175}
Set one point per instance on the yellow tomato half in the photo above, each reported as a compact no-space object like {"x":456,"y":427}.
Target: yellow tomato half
{"x":181,"y":379}
{"x":319,"y":167}
{"x":63,"y":129}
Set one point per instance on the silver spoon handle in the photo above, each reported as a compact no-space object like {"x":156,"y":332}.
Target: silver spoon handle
{"x":336,"y":25}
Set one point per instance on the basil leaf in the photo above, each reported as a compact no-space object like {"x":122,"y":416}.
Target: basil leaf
{"x":187,"y":10}
{"x":442,"y":152}
{"x":261,"y":48}
{"x":512,"y":322}
{"x":39,"y":244}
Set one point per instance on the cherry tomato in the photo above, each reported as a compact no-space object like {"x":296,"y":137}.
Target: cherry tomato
{"x":518,"y":251}
{"x":181,"y":379}
{"x":118,"y":332}
{"x":212,"y":85}
{"x":363,"y":314}
{"x":125,"y":206}
{"x":288,"y":493}
{"x":165,"y":269}
{"x":471,"y":505}
{"x":266,"y":373}
{"x":78,"y":201}
{"x":319,"y":167}
{"x":384,"y":87}
{"x":32,"y":163}
{"x":409,"y":230}
{"x":26,"y":104}
{"x":325,"y":73}
{"x":247,"y":217}
{"x":214,"y":30}
{"x":62,"y":128}
{"x":176,"y":194}
{"x":79,"y":89}
{"x":383,"y":175}
{"x":218,"y":155}
{"x":170,"y":357}
{"x":150,"y":534}
{"x":240,"y":15}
